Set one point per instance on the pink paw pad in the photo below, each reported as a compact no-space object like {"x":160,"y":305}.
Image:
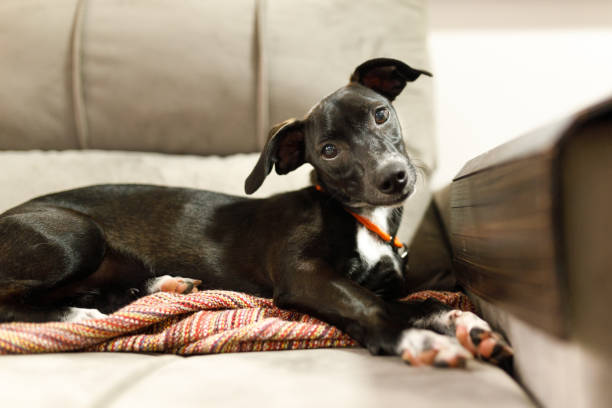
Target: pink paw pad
{"x":475,"y":335}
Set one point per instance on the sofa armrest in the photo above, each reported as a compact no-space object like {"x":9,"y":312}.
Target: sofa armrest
{"x":529,"y":224}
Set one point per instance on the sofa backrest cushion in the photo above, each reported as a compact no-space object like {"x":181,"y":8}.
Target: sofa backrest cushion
{"x":193,"y":77}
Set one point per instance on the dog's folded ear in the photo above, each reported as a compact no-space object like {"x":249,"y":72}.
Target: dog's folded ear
{"x":386,"y":76}
{"x":284,"y":150}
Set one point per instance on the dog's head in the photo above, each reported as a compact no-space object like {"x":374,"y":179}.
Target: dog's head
{"x":352,"y":138}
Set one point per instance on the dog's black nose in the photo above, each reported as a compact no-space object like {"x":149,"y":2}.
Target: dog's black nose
{"x":393,"y":178}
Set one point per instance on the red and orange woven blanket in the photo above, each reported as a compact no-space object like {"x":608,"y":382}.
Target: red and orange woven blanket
{"x":198,"y":323}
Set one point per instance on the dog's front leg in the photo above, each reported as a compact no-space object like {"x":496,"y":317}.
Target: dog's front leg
{"x":382,"y":327}
{"x":314,"y":287}
{"x":422,"y":332}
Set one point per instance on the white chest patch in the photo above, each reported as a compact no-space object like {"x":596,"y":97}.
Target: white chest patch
{"x":369,"y":245}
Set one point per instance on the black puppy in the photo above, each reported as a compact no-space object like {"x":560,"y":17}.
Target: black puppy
{"x":329,"y":251}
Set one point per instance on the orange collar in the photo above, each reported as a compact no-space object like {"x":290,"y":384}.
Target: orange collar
{"x":393,"y":241}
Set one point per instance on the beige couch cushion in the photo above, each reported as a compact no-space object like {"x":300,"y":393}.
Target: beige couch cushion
{"x":35,"y":99}
{"x":169,"y":76}
{"x":193,"y":76}
{"x":299,"y":378}
{"x":138,"y":75}
{"x":27,"y":174}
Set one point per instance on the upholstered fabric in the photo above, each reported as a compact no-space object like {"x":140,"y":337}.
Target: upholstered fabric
{"x":169,"y":78}
{"x":297,"y":378}
{"x":35,"y":88}
{"x":135,"y":75}
{"x":24,"y":175}
{"x":558,"y":373}
{"x":193,"y":77}
{"x":28,"y":174}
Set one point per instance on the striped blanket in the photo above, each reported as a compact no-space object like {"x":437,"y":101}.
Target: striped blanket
{"x":198,"y":323}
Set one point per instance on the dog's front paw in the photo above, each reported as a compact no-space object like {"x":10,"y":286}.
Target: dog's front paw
{"x":476,"y":335}
{"x":420,"y":347}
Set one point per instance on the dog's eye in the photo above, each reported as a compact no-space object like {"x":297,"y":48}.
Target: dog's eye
{"x":329,"y":151}
{"x":381,"y":115}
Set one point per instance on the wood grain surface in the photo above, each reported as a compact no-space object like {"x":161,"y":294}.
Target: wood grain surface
{"x":508,"y":210}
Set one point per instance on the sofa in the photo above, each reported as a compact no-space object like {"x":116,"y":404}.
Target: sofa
{"x":183,"y":94}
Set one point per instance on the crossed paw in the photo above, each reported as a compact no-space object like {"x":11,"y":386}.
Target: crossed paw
{"x":468,"y":336}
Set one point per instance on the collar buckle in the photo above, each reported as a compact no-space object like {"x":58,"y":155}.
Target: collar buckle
{"x":401,"y":251}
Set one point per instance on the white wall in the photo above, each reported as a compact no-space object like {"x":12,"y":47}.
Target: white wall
{"x":505,"y":67}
